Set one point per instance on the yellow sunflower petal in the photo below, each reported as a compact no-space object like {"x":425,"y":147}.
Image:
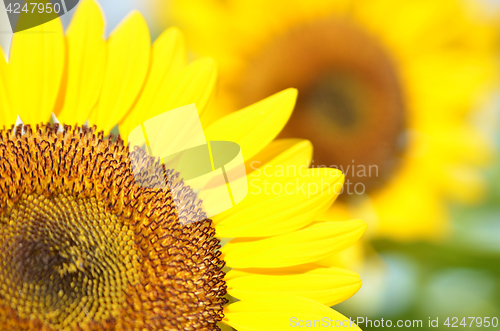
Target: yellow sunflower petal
{"x":194,"y":85}
{"x":282,"y":312}
{"x":280,"y":159}
{"x":7,"y":116}
{"x":126,"y":70}
{"x":257,"y":125}
{"x":168,"y":59}
{"x":310,"y":244}
{"x":290,"y":155}
{"x":352,"y":257}
{"x":282,"y":152}
{"x":328,"y":286}
{"x":86,"y":63}
{"x":36,"y":66}
{"x":280,"y":205}
{"x":295,"y":269}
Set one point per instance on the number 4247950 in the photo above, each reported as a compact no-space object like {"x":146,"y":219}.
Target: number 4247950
{"x":34,"y":8}
{"x":486,"y":322}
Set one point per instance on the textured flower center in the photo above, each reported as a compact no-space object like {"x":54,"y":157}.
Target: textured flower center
{"x":64,"y":259}
{"x":90,"y":242}
{"x":350,"y":103}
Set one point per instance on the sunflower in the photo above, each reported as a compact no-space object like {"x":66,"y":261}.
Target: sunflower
{"x":387,"y":92}
{"x":91,"y":241}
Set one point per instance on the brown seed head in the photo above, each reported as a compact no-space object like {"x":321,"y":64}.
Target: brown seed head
{"x":90,"y":241}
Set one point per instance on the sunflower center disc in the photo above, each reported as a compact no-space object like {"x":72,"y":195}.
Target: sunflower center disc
{"x":64,"y":259}
{"x":350,"y":102}
{"x":88,"y":244}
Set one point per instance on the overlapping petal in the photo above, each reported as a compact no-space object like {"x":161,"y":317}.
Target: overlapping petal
{"x":288,"y":153}
{"x":283,"y":312}
{"x":277,"y":205}
{"x":310,"y":244}
{"x":126,"y":70}
{"x":328,"y":286}
{"x":86,"y":63}
{"x":7,"y":116}
{"x":194,"y":85}
{"x":35,"y":71}
{"x":257,"y":125}
{"x":168,"y":59}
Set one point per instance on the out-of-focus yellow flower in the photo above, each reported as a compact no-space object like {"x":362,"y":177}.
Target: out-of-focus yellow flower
{"x":386,"y":91}
{"x":92,"y":243}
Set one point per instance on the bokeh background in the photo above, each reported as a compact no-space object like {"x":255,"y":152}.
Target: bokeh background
{"x":452,"y":275}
